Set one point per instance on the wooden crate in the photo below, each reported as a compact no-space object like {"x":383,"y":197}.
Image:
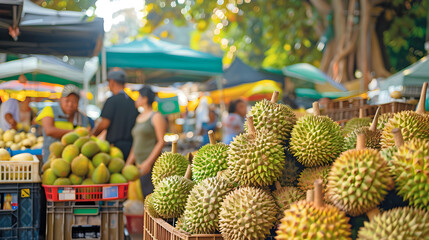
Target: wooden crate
{"x":159,"y":229}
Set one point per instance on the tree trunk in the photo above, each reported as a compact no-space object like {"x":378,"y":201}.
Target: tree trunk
{"x":365,"y":11}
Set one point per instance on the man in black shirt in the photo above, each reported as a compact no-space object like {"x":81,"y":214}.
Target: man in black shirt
{"x":119,"y":114}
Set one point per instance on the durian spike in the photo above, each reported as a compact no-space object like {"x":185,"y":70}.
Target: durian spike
{"x":278,"y":185}
{"x":251,"y":126}
{"x":360,"y":142}
{"x":397,"y":136}
{"x":361,"y":112}
{"x":372,"y":213}
{"x":174,"y":147}
{"x":422,"y":100}
{"x":275,"y":97}
{"x":310,"y":195}
{"x":212,"y":137}
{"x":318,"y":193}
{"x":375,"y":120}
{"x":188,"y":172}
{"x":316,"y":109}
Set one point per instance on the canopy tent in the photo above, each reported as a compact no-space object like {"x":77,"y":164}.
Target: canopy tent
{"x":31,"y":86}
{"x":150,"y":60}
{"x":314,"y":94}
{"x":50,"y":32}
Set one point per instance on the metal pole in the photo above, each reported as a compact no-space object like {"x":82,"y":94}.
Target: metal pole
{"x":97,"y":83}
{"x":103,"y":65}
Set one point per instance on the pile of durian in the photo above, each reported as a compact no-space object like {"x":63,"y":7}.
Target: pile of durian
{"x":303,"y":178}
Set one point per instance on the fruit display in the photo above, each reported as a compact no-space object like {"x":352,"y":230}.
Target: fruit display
{"x":356,"y":123}
{"x":19,"y":140}
{"x":82,"y":160}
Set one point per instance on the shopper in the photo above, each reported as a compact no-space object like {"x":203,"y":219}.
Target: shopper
{"x":148,"y":138}
{"x":9,"y":114}
{"x":62,"y":118}
{"x":207,"y":126}
{"x":234,"y":123}
{"x":118,"y":114}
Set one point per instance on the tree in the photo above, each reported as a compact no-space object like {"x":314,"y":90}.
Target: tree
{"x":70,"y":5}
{"x":345,"y":38}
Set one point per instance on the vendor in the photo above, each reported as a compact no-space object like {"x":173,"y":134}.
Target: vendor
{"x":9,"y":114}
{"x":61,"y":118}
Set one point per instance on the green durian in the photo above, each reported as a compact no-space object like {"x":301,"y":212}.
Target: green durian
{"x":290,"y":171}
{"x":309,"y":175}
{"x":383,"y":120}
{"x":285,"y":196}
{"x":372,"y":135}
{"x":356,"y":123}
{"x":148,"y":204}
{"x":169,"y":164}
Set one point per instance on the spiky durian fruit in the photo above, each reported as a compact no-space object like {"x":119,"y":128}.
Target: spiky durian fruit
{"x":209,"y":160}
{"x":316,"y":140}
{"x":290,"y":171}
{"x":168,"y":164}
{"x":285,"y":196}
{"x":358,"y":181}
{"x":410,"y":170}
{"x":309,"y":175}
{"x":202,"y":209}
{"x":148,"y":204}
{"x":306,"y":221}
{"x":277,"y":118}
{"x":169,"y":196}
{"x":247,"y":213}
{"x":256,"y":158}
{"x":372,"y":138}
{"x":383,"y":120}
{"x":398,"y":223}
{"x":388,"y":153}
{"x":356,"y":123}
{"x":412,"y":125}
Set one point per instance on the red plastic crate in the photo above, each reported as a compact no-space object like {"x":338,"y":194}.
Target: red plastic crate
{"x":84,"y":193}
{"x":134,"y":223}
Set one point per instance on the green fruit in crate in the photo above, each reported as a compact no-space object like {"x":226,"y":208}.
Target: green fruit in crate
{"x":62,"y":181}
{"x":116,"y":165}
{"x":202,"y":208}
{"x":89,"y":149}
{"x":75,"y":179}
{"x":70,"y":152}
{"x":80,"y":142}
{"x":101,"y":158}
{"x":81,"y":131}
{"x":91,"y":169}
{"x":60,"y":167}
{"x":383,"y":120}
{"x":285,"y":196}
{"x":148,"y":205}
{"x":247,"y":213}
{"x":8,"y":136}
{"x":412,"y":125}
{"x":117,"y":178}
{"x":69,"y":138}
{"x":316,"y":140}
{"x":358,"y":181}
{"x":4,"y":155}
{"x":170,"y":195}
{"x":277,"y":118}
{"x":79,"y":165}
{"x":398,"y":223}
{"x":169,"y":164}
{"x":101,"y":174}
{"x":410,"y":170}
{"x":56,"y":148}
{"x":131,"y":172}
{"x":116,"y":152}
{"x":209,"y":160}
{"x":303,"y":220}
{"x":104,"y":146}
{"x":256,"y":158}
{"x":22,"y":157}
{"x":356,"y":123}
{"x":87,"y":181}
{"x":309,"y":175}
{"x":48,"y":177}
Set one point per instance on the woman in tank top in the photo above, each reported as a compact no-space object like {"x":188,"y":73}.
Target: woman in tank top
{"x":148,"y":138}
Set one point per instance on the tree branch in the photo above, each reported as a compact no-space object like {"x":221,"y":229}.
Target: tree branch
{"x":322,"y":6}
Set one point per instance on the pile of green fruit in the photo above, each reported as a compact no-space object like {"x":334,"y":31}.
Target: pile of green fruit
{"x":19,"y":140}
{"x":263,"y":182}
{"x":83,"y":160}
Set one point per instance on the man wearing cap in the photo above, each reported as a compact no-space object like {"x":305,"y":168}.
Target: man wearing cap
{"x":119,"y":114}
{"x":62,"y":118}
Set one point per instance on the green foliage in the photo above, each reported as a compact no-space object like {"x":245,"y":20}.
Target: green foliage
{"x":70,"y":5}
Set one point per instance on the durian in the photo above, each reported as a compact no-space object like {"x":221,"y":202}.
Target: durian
{"x":276,"y":118}
{"x":410,"y":170}
{"x":202,"y":209}
{"x":209,"y":160}
{"x":309,"y":175}
{"x":383,"y":120}
{"x":170,"y":195}
{"x":359,"y":180}
{"x":290,"y":171}
{"x":256,"y":158}
{"x":397,"y":224}
{"x":316,"y":140}
{"x":285,"y":196}
{"x":169,"y":164}
{"x":148,"y":204}
{"x":314,"y":220}
{"x":356,"y":123}
{"x":247,"y":213}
